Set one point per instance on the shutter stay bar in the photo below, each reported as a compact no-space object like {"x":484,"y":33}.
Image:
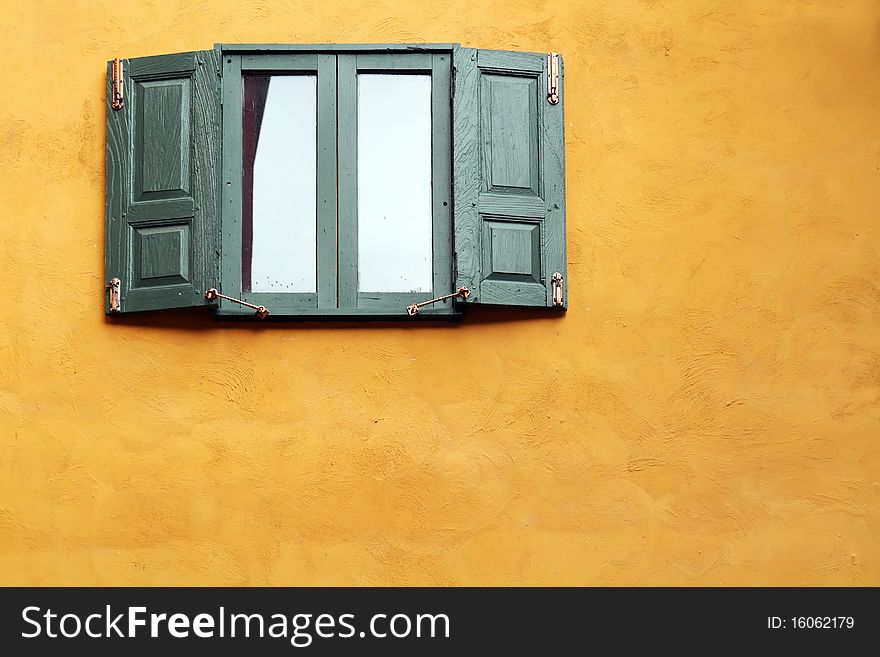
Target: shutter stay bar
{"x":212,"y":293}
{"x":116,"y":84}
{"x":413,"y":309}
{"x":553,"y":78}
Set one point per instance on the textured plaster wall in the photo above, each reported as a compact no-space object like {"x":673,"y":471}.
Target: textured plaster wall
{"x":706,"y":413}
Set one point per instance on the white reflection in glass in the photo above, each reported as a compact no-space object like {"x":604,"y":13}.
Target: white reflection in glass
{"x":394,"y":183}
{"x":284,"y":188}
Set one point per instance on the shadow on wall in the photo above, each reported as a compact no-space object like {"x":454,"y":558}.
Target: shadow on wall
{"x":201,"y":319}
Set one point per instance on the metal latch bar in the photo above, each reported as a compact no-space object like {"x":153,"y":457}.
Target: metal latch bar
{"x":553,"y":78}
{"x":556,"y":282}
{"x":413,"y":309}
{"x":116,"y":84}
{"x":212,"y":293}
{"x":113,"y":288}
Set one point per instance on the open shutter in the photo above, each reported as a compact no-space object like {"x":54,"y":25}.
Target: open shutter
{"x":162,"y":162}
{"x":509,"y":179}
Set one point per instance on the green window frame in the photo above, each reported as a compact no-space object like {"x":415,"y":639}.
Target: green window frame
{"x":174,"y":180}
{"x":337,"y":216}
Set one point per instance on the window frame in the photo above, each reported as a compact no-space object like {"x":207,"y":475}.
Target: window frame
{"x":163,"y":232}
{"x":336,"y":68}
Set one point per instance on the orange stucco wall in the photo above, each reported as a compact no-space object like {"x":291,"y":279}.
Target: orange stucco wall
{"x":706,"y":412}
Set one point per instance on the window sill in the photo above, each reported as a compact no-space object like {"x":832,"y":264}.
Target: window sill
{"x":341,"y":315}
{"x":230,"y":311}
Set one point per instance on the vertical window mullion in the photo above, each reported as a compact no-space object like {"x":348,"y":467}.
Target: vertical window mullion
{"x":348,"y":181}
{"x":327,"y":182}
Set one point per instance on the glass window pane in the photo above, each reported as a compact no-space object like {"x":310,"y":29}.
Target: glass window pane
{"x":279,"y":213}
{"x":394,"y":183}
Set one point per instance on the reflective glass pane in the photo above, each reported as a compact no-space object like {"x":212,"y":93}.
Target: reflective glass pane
{"x":279,"y":213}
{"x":394,"y":183}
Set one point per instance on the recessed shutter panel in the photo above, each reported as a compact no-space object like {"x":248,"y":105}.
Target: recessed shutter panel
{"x":161,"y":189}
{"x":509,"y":179}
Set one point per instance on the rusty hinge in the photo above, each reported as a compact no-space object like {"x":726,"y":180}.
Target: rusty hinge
{"x":212,"y":293}
{"x":113,"y":288}
{"x":556,"y":283}
{"x":553,"y":77}
{"x":413,"y":309}
{"x":116,"y":84}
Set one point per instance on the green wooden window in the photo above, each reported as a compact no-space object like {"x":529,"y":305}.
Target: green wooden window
{"x":336,"y":181}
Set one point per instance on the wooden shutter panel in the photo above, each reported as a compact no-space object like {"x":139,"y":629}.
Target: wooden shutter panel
{"x":509,"y":178}
{"x":162,"y":190}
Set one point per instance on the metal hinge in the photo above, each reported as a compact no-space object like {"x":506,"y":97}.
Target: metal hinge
{"x":413,"y":309}
{"x":553,"y":77}
{"x":113,"y":288}
{"x":556,"y":283}
{"x":212,"y":293}
{"x":116,"y":84}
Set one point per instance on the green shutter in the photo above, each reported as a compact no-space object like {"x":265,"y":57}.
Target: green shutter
{"x":509,"y":178}
{"x":162,"y":162}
